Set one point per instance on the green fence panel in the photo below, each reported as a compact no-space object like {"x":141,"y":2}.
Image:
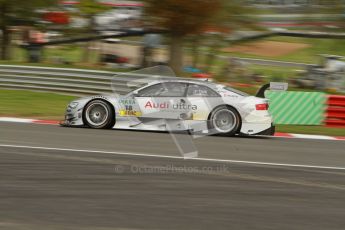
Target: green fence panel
{"x":297,"y":108}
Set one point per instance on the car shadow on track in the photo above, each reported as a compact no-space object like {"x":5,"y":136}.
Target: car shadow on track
{"x":179,"y":133}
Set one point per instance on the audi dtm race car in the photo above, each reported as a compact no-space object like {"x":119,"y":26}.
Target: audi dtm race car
{"x":176,"y":105}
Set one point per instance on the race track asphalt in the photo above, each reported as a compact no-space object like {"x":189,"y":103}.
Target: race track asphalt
{"x":71,"y":178}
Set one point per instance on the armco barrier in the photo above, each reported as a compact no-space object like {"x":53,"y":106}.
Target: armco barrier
{"x":63,"y":80}
{"x":76,"y":81}
{"x":297,"y":108}
{"x":66,"y":80}
{"x":335,"y":113}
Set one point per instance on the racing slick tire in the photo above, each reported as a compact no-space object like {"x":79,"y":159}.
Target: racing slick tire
{"x":224,"y":121}
{"x":99,"y":114}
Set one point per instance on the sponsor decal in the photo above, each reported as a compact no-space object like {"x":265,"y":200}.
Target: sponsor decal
{"x":166,"y":105}
{"x":124,"y":113}
{"x":99,"y":97}
{"x":127,"y":101}
{"x":128,"y":111}
{"x":127,"y":108}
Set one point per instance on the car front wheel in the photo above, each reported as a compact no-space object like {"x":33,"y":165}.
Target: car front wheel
{"x":99,"y":114}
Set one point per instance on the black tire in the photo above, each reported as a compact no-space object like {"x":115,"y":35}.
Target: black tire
{"x":99,"y":114}
{"x":224,"y":121}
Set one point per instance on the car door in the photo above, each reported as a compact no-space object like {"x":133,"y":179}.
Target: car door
{"x":202,"y":99}
{"x":166,"y":100}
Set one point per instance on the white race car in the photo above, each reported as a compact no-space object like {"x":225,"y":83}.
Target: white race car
{"x":175,"y":105}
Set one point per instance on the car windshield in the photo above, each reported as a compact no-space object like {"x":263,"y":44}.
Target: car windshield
{"x":165,"y":89}
{"x":236,"y":91}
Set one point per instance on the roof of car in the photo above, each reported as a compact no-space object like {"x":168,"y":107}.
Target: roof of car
{"x":185,"y":80}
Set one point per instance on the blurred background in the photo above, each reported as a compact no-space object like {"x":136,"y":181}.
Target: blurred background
{"x":241,"y":43}
{"x":221,"y":38}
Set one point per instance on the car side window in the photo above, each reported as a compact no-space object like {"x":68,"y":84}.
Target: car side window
{"x":173,"y":89}
{"x":151,"y":91}
{"x":195,"y":90}
{"x":167,"y":89}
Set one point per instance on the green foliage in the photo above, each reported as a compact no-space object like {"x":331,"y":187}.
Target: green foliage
{"x":181,"y":17}
{"x":234,"y":14}
{"x":90,"y":8}
{"x":21,"y":9}
{"x":18,"y":12}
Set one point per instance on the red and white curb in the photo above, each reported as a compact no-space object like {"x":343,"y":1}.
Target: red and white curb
{"x":285,"y":135}
{"x":25,"y":120}
{"x":309,"y":136}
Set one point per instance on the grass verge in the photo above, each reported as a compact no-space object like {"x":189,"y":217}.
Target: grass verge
{"x":39,"y":105}
{"x":316,"y":130}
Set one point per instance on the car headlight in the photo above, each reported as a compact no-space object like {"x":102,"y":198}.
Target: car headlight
{"x":73,"y":105}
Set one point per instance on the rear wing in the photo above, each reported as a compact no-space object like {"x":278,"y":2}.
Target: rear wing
{"x":274,"y":86}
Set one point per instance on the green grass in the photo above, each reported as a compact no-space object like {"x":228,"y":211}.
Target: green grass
{"x":52,"y":54}
{"x":22,"y":103}
{"x":41,"y":105}
{"x":274,"y":73}
{"x":306,"y":55}
{"x":317,"y":130}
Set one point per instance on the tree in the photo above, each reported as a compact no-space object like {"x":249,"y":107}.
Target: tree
{"x":180,"y":18}
{"x":234,"y":15}
{"x":17,"y":12}
{"x":183,"y":18}
{"x":89,"y":9}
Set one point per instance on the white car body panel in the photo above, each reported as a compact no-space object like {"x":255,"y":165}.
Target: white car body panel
{"x":176,"y":113}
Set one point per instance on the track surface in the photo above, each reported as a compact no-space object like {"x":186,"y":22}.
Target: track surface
{"x":44,"y":188}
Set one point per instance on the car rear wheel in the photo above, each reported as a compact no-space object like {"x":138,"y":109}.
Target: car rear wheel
{"x":224,"y":121}
{"x":99,"y":114}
